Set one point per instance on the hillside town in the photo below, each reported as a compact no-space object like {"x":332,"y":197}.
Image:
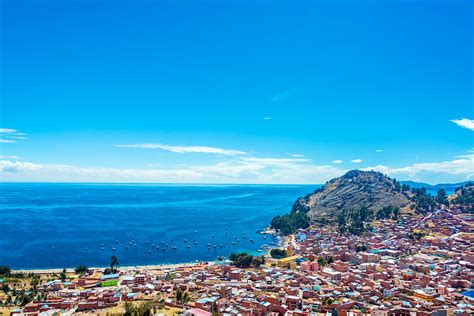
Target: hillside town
{"x":417,"y":265}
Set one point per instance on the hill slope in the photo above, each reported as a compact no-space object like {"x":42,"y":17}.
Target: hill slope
{"x":354,"y":190}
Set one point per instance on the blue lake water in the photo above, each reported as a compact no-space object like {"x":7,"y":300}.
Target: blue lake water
{"x":76,"y":219}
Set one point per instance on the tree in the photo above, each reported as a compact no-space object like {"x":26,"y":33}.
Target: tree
{"x":278,"y":253}
{"x":113,"y":263}
{"x":81,"y":269}
{"x":5,"y":270}
{"x":182,"y":296}
{"x":441,"y":197}
{"x":322,"y":262}
{"x":289,"y":223}
{"x":143,"y":309}
{"x":63,"y":275}
{"x":244,"y":260}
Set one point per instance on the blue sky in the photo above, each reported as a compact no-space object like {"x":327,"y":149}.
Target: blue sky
{"x":236,"y":91}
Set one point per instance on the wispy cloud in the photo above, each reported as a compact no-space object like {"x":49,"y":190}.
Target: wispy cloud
{"x":7,"y":131}
{"x":464,"y":122}
{"x":297,"y":155}
{"x":9,"y":135}
{"x":337,"y":161}
{"x":10,"y":157}
{"x":236,"y":170}
{"x":187,"y":149}
{"x":356,"y":160}
{"x":379,"y":150}
{"x":462,"y":167}
{"x":267,"y":118}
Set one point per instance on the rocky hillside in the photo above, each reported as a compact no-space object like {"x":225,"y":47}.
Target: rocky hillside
{"x":354,"y":190}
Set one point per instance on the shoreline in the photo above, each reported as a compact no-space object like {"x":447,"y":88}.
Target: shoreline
{"x":281,"y":241}
{"x":163,"y":266}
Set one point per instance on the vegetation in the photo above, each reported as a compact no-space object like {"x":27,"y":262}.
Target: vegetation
{"x":465,"y":198}
{"x":356,"y":222}
{"x":289,"y":223}
{"x":388,"y":212}
{"x":416,"y":235}
{"x":81,"y":269}
{"x":323,"y":261}
{"x":278,"y":253}
{"x":244,"y":260}
{"x":442,"y":197}
{"x":360,"y":248}
{"x":424,"y":202}
{"x":182,"y":297}
{"x":5,"y":271}
{"x":62,"y":275}
{"x":142,"y":309}
{"x":113,"y":265}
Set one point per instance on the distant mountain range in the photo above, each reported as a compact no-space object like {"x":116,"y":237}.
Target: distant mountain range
{"x":448,"y":187}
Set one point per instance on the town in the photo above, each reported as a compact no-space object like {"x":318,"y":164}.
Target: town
{"x":417,"y":265}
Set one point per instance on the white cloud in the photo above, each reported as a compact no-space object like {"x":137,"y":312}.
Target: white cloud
{"x":464,"y":122}
{"x":7,"y":140}
{"x":7,"y":131}
{"x":356,"y":161}
{"x":297,"y":155}
{"x":379,"y":150}
{"x":238,"y":170}
{"x":445,"y":171}
{"x":10,"y":135}
{"x":10,"y":157}
{"x":187,"y":149}
{"x":266,"y":118}
{"x":337,"y":161}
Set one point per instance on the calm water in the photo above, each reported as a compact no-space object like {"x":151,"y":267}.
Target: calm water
{"x":73,"y":217}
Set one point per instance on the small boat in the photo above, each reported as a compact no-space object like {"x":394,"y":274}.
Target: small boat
{"x":195,"y":242}
{"x":174,"y":247}
{"x":188,"y":246}
{"x":195,"y":231}
{"x":113,"y":248}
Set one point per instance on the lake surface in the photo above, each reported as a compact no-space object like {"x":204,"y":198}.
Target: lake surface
{"x":65,"y":225}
